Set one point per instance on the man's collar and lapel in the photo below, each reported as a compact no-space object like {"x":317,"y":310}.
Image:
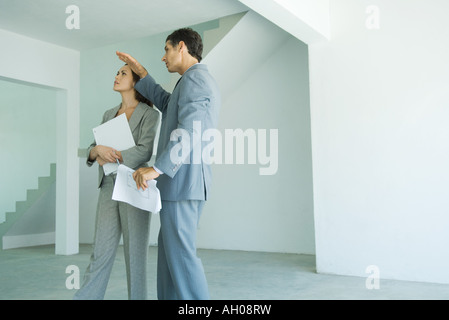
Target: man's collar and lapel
{"x":193,"y":67}
{"x":196,"y":66}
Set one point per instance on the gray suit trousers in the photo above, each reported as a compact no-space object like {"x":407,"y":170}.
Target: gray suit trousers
{"x":180,"y":273}
{"x":113,"y":219}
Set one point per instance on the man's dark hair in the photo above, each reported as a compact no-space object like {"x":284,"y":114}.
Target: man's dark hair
{"x":192,"y":40}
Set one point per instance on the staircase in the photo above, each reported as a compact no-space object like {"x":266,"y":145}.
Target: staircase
{"x":33,"y":218}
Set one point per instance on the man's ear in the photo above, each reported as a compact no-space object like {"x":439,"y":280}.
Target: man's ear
{"x":182,"y":46}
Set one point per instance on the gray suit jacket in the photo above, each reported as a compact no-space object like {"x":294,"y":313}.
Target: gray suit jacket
{"x":143,"y":124}
{"x":190,"y":110}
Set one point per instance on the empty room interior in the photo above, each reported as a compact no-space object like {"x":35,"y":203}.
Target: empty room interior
{"x":331,"y":177}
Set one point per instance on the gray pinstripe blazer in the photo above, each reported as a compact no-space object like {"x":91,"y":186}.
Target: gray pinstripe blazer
{"x":143,"y":124}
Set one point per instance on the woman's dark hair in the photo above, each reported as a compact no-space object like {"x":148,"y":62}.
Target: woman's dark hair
{"x":192,"y":40}
{"x":140,"y":97}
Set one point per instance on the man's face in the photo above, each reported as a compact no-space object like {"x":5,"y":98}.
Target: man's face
{"x":172,"y":57}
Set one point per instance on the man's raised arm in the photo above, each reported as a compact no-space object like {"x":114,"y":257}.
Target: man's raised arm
{"x":133,"y":64}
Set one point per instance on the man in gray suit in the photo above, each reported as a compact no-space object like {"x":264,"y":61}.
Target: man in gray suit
{"x":183,"y":177}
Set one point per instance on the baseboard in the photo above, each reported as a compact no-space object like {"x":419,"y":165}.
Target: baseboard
{"x":28,"y":240}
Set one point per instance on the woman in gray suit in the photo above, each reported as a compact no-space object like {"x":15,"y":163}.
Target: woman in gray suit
{"x":116,"y":218}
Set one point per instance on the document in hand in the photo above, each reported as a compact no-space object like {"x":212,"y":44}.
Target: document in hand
{"x":125,"y":190}
{"x":116,"y":134}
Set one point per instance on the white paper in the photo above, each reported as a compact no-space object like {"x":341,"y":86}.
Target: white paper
{"x":125,"y":190}
{"x":116,"y":134}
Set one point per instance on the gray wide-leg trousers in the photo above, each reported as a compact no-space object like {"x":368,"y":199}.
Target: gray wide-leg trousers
{"x":114,"y":219}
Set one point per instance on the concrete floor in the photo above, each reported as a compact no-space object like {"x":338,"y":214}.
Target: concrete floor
{"x":37,"y":273}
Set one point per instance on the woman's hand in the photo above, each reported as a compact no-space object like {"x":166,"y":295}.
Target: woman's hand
{"x":104,"y":154}
{"x":101,"y":161}
{"x":142,"y":175}
{"x":133,"y":64}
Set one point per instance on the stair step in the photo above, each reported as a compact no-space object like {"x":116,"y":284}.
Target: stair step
{"x":44,"y":181}
{"x":8,"y":214}
{"x":31,"y":193}
{"x":21,"y":205}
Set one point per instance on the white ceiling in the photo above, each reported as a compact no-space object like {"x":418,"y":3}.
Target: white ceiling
{"x":104,"y":22}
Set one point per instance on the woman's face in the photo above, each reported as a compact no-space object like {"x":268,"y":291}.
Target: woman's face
{"x":124,"y":80}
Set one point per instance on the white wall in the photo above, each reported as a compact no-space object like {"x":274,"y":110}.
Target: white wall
{"x":380,"y":110}
{"x":40,"y":63}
